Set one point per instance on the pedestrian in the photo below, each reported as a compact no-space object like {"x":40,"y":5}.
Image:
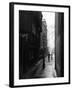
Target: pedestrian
{"x":48,"y":56}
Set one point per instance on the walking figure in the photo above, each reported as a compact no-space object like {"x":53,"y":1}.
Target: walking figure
{"x":48,"y":56}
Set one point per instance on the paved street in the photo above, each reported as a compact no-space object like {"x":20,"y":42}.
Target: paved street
{"x":37,"y":71}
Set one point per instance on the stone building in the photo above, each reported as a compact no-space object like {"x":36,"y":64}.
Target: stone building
{"x":43,"y":43}
{"x":30,"y":27}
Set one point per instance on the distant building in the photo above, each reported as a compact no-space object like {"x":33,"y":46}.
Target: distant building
{"x":43,"y":43}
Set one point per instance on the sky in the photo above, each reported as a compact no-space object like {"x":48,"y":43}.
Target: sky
{"x":50,"y":21}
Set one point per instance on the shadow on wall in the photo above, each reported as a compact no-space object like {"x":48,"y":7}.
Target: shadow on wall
{"x":59,"y":23}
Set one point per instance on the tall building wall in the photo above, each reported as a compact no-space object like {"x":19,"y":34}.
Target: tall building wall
{"x":59,"y":29}
{"x":30,"y":23}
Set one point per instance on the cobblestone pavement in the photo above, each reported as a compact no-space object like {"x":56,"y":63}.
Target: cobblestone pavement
{"x":38,"y":71}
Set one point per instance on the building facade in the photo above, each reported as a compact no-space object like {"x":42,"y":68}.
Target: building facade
{"x":30,"y":27}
